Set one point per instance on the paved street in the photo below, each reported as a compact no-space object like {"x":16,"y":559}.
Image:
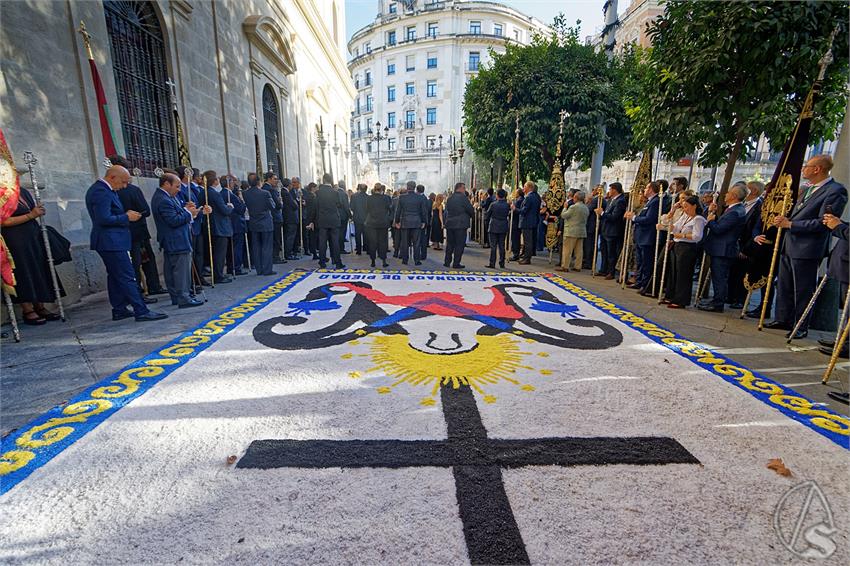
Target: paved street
{"x":56,"y":361}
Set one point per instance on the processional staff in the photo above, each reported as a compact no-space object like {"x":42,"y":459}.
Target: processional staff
{"x":516,"y":179}
{"x":598,"y":188}
{"x":662,"y":196}
{"x":209,"y":231}
{"x":30,"y":159}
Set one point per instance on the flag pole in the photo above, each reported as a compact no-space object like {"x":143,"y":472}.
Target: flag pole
{"x":106,"y":130}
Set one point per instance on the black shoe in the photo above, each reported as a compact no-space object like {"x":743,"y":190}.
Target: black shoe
{"x":339,"y":266}
{"x":239,"y":272}
{"x":777,"y":325}
{"x":224,"y":280}
{"x":840,"y":397}
{"x":799,"y":335}
{"x":190,"y":303}
{"x":149,"y":300}
{"x":843,"y":353}
{"x":122,"y":314}
{"x":501,"y":264}
{"x":315,"y":256}
{"x":404,"y":262}
{"x":710,"y":308}
{"x":635,"y":286}
{"x":205,"y":283}
{"x":344,"y":252}
{"x":157,"y":292}
{"x":736,"y":306}
{"x":278,"y":261}
{"x":323,"y":265}
{"x":385,"y":264}
{"x":756,"y":313}
{"x":458,"y":266}
{"x":270,"y":273}
{"x":373,"y":263}
{"x":358,"y":252}
{"x":524,"y":262}
{"x":826,"y":342}
{"x":151,"y":315}
{"x":446,"y":265}
{"x":490,"y":266}
{"x":417,"y":263}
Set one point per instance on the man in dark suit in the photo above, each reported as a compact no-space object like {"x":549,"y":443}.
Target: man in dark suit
{"x":174,"y":233}
{"x":260,"y":204}
{"x":221,"y":227}
{"x":592,"y":201}
{"x":529,"y":218}
{"x":838,"y":269}
{"x":426,"y":230}
{"x":496,"y":220}
{"x":644,"y":238}
{"x":612,"y":229}
{"x":344,"y":216}
{"x":272,"y":182}
{"x":141,"y":252}
{"x":189,"y":193}
{"x":805,"y":243}
{"x":289,"y":208}
{"x":515,"y":232}
{"x":326,"y":220}
{"x":485,"y":206}
{"x":232,"y":195}
{"x":752,"y":224}
{"x":721,"y":245}
{"x":457,"y":215}
{"x":309,"y":209}
{"x":110,"y":238}
{"x":358,"y":212}
{"x":396,"y":233}
{"x":378,"y":220}
{"x":410,"y":219}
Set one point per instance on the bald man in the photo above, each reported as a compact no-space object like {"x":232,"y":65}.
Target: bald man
{"x":110,"y":238}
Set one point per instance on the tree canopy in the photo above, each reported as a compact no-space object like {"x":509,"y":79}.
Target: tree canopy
{"x":554,"y":72}
{"x":721,"y":73}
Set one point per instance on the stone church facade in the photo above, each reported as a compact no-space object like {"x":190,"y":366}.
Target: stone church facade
{"x":281,"y":61}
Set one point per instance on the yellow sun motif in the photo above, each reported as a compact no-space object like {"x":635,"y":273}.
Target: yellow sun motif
{"x":545,"y":372}
{"x":354,"y":374}
{"x":347,"y":356}
{"x":489,"y":399}
{"x":428,"y":401}
{"x":527,"y":387}
{"x":495,"y":359}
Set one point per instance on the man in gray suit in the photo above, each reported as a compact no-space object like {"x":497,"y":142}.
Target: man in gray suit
{"x":805,"y":244}
{"x":410,"y":218}
{"x":457,"y":215}
{"x":260,"y":204}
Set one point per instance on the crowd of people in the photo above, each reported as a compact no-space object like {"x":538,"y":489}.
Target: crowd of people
{"x":667,"y":242}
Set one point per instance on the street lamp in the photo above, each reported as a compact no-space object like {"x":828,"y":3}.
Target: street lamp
{"x":336,"y":150}
{"x":440,"y":157}
{"x":322,"y":143}
{"x":377,"y":137}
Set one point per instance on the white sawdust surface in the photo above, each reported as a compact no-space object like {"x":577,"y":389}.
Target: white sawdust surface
{"x":151,"y":484}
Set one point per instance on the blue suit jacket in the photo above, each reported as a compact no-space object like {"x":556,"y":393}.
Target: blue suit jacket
{"x":173,"y":231}
{"x":613,"y":225}
{"x":220,"y":216}
{"x":289,"y":206}
{"x":110,"y":231}
{"x":200,"y":218}
{"x":277,"y":213}
{"x":237,"y":217}
{"x":529,"y":211}
{"x":645,"y":222}
{"x":808,"y":238}
{"x":723,"y":232}
{"x":496,"y":217}
{"x":839,"y":262}
{"x":260,"y":206}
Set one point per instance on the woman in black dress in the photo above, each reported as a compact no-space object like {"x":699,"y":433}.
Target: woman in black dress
{"x":437,"y":222}
{"x":34,"y":286}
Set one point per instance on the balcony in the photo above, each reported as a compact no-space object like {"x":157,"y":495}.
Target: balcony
{"x":432,"y":6}
{"x":409,"y":150}
{"x":408,"y":125}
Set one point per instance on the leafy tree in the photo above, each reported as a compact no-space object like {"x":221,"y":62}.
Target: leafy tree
{"x":554,"y":72}
{"x":720,"y":73}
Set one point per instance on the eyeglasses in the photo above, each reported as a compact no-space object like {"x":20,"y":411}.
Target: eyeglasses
{"x":809,"y":166}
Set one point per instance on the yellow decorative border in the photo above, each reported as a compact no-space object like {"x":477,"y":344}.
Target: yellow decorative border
{"x":37,"y":443}
{"x":834,"y":426}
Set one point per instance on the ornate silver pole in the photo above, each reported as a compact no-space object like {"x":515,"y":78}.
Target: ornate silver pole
{"x":15,"y":331}
{"x":31,"y":160}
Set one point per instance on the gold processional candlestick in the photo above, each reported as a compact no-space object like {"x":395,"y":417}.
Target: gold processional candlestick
{"x":86,"y":39}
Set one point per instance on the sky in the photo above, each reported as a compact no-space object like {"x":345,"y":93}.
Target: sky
{"x":360,"y":13}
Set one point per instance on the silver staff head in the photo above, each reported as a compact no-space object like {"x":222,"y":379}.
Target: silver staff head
{"x":30,"y":158}
{"x":107,"y":163}
{"x":137,"y":172}
{"x":158,"y":172}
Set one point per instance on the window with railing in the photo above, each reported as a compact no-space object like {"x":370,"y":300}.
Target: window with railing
{"x":411,"y":33}
{"x":141,"y":73}
{"x":431,"y":89}
{"x":390,"y":68}
{"x":431,"y":142}
{"x":391,"y":94}
{"x":368,"y":80}
{"x":368,"y":103}
{"x":474,"y":60}
{"x":409,"y":89}
{"x":498,"y":30}
{"x":391,"y":144}
{"x":409,"y":119}
{"x":393,"y":8}
{"x":409,"y":143}
{"x":391,"y":119}
{"x":433,"y":29}
{"x":431,"y":116}
{"x":475,"y":27}
{"x":391,"y":38}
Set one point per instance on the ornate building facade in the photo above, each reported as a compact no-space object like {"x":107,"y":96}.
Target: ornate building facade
{"x":410,"y":68}
{"x":277,"y":66}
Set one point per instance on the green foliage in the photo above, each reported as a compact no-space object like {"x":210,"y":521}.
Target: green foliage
{"x":726,"y":69}
{"x":554,"y":72}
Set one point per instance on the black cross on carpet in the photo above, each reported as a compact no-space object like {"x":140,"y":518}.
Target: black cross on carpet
{"x":491,"y":532}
